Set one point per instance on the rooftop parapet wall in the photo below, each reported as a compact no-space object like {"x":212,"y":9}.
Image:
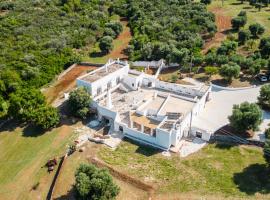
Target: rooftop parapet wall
{"x":110,"y":67}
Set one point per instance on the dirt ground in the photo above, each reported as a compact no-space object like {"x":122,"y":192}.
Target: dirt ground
{"x":223,"y":23}
{"x":125,"y":37}
{"x":65,"y":83}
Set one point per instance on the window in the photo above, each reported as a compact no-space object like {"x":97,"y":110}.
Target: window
{"x":121,"y":128}
{"x":154,"y":133}
{"x":117,"y":80}
{"x":198,"y":134}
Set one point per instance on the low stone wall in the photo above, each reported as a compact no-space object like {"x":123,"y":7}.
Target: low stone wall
{"x":231,"y":139}
{"x":232,"y":89}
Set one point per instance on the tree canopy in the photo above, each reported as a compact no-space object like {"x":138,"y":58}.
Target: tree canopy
{"x":95,"y":184}
{"x":246,"y":116}
{"x":264,"y":97}
{"x":79,"y":102}
{"x":162,"y":29}
{"x":229,"y":71}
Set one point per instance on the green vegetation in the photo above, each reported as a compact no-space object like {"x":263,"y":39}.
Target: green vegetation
{"x":229,"y":71}
{"x":264,"y":97}
{"x":233,"y":8}
{"x":40,"y":41}
{"x":266,"y":148}
{"x":29,"y":105}
{"x":218,"y":169}
{"x":239,"y":21}
{"x":105,"y":44}
{"x":210,"y":70}
{"x":169,"y":30}
{"x":93,"y":183}
{"x":246,"y":116}
{"x":78,"y":102}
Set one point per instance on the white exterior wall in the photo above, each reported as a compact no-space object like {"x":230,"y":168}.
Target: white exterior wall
{"x":102,"y":83}
{"x":162,"y":139}
{"x":205,"y":134}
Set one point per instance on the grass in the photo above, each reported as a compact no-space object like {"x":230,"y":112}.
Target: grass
{"x":233,"y":7}
{"x":64,"y":188}
{"x":219,"y":170}
{"x":24,"y":152}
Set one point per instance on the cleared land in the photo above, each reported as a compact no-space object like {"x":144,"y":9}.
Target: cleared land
{"x":218,"y":171}
{"x":65,"y":83}
{"x":231,"y":8}
{"x":24,"y":152}
{"x":223,"y":24}
{"x":119,"y":45}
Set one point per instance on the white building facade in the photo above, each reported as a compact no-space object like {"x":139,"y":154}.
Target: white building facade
{"x":144,"y":108}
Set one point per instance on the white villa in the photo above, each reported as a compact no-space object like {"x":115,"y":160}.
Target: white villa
{"x":144,"y":108}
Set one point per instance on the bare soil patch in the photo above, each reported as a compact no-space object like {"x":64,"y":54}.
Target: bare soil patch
{"x":66,"y":83}
{"x":223,"y":23}
{"x":124,"y":37}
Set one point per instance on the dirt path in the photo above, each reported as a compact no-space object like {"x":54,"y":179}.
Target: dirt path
{"x":66,"y":83}
{"x":223,"y":23}
{"x":124,"y":39}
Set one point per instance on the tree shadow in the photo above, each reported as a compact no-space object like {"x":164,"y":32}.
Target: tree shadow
{"x":70,"y":195}
{"x":32,"y":131}
{"x":96,"y":54}
{"x":225,"y":145}
{"x":254,"y":178}
{"x":143,"y":149}
{"x":247,"y":7}
{"x":237,"y":3}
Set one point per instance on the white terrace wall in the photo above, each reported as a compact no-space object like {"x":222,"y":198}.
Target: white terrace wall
{"x":162,"y":139}
{"x":175,"y":88}
{"x":112,"y":77}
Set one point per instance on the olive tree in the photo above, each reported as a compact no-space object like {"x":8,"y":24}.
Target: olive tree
{"x":243,"y":36}
{"x":246,"y":116}
{"x":229,"y":71}
{"x":105,"y":44}
{"x":93,"y":183}
{"x":265,"y":47}
{"x":256,"y":30}
{"x":264,"y":97}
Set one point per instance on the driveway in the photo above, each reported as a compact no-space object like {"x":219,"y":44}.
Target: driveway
{"x":216,"y":112}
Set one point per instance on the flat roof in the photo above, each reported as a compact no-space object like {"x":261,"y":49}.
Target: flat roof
{"x":146,"y":121}
{"x":101,"y":72}
{"x":177,"y":105}
{"x":155,"y":104}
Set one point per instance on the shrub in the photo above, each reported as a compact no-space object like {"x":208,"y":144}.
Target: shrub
{"x":210,"y":70}
{"x":246,"y":116}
